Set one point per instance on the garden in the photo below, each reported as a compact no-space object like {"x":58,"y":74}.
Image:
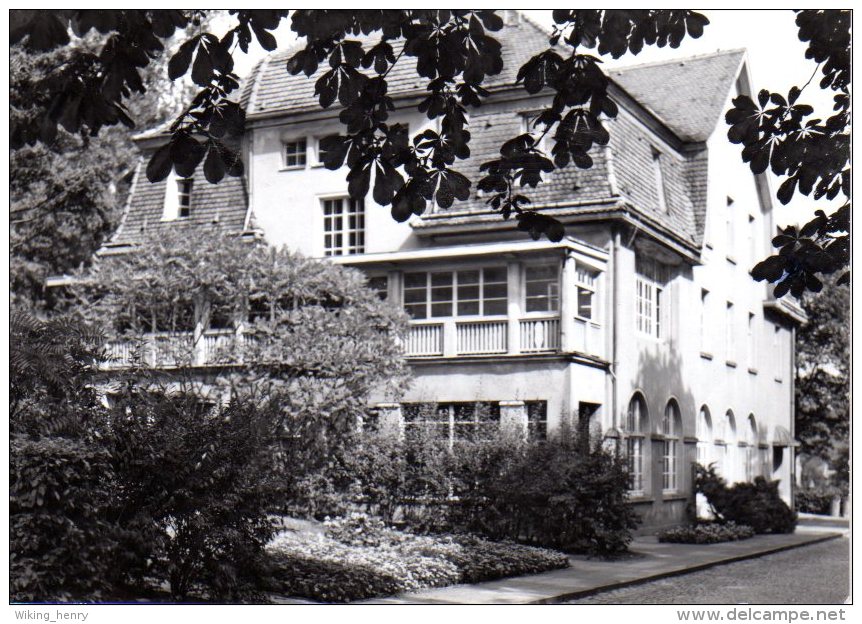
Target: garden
{"x":136,"y":484}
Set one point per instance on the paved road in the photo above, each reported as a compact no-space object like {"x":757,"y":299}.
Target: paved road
{"x":816,"y":574}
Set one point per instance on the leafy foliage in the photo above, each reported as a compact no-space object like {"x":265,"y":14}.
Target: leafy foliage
{"x":706,"y":533}
{"x":823,"y":375}
{"x":757,"y":505}
{"x":783,"y":134}
{"x":554,"y":493}
{"x":340,"y":566}
{"x":454,"y":51}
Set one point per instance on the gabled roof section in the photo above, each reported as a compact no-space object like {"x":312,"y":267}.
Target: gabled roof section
{"x":687,"y":94}
{"x":271,"y":89}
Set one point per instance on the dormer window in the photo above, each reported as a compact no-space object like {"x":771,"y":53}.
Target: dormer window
{"x":184,"y":197}
{"x":294,"y":154}
{"x":178,"y":198}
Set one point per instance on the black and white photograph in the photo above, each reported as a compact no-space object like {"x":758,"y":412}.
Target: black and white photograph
{"x":411,"y":306}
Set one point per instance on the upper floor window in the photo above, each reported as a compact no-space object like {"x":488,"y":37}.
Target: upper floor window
{"x":704,"y":321}
{"x":778,"y":350}
{"x":752,"y":341}
{"x":294,"y":154}
{"x":659,"y":180}
{"x":320,"y":153}
{"x":729,"y":335}
{"x":542,"y":288}
{"x":730,"y":231}
{"x":586,"y":288}
{"x":343,"y":226}
{"x":470,"y":292}
{"x":752,"y":240}
{"x":650,"y":280}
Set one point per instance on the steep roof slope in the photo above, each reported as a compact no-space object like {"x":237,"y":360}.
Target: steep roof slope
{"x":270,"y":88}
{"x":687,"y":94}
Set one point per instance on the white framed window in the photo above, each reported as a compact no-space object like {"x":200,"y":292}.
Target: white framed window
{"x":343,"y":226}
{"x":752,"y":341}
{"x":586,"y":290}
{"x":650,"y":281}
{"x":728,"y":451}
{"x":294,"y":154}
{"x":542,"y":288}
{"x":636,"y":420}
{"x":730,"y":347}
{"x":661,"y":196}
{"x":184,"y":197}
{"x":671,"y":426}
{"x":778,"y":352}
{"x":467,"y":292}
{"x":752,"y":468}
{"x":753,"y":249}
{"x":451,"y":421}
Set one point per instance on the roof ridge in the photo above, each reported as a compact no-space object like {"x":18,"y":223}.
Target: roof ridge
{"x":679,"y":59}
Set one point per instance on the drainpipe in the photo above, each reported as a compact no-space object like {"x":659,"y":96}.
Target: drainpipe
{"x":615,"y":323}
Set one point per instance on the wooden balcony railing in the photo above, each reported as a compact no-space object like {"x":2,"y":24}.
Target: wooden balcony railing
{"x":540,"y":335}
{"x":482,"y":337}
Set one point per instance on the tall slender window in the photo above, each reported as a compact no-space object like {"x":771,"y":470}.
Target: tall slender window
{"x":778,"y":352}
{"x":343,"y":226}
{"x":704,"y":436}
{"x":650,"y":280}
{"x":752,"y":240}
{"x":751,"y":464}
{"x":184,"y":195}
{"x":636,"y":419}
{"x":671,"y":426}
{"x":730,"y":233}
{"x":730,"y":348}
{"x":752,"y":342}
{"x":705,"y":330}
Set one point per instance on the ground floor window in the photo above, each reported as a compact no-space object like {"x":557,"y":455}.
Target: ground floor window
{"x":671,"y":425}
{"x":636,"y":424}
{"x":451,"y":421}
{"x":537,"y":420}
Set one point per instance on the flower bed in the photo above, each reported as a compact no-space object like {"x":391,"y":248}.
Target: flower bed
{"x":707,"y":533}
{"x":358,"y":558}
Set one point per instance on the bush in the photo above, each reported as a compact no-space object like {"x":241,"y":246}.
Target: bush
{"x":817,"y":499}
{"x":706,"y":533}
{"x":202,"y":483}
{"x":756,"y":504}
{"x":557,"y":493}
{"x":344,"y":565}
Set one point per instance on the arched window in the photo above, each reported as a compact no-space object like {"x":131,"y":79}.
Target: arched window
{"x":751,"y":464}
{"x":671,"y":427}
{"x":636,"y":419}
{"x":704,"y":436}
{"x":728,"y":456}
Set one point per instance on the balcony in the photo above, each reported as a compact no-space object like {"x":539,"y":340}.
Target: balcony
{"x":529,"y":335}
{"x":176,"y":349}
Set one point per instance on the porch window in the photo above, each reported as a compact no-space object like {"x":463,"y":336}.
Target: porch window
{"x":542,"y":288}
{"x":343,"y":226}
{"x":636,"y":420}
{"x":472,"y":292}
{"x":586,"y":288}
{"x":671,"y":426}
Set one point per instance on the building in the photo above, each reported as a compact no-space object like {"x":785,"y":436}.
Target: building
{"x":642,"y":325}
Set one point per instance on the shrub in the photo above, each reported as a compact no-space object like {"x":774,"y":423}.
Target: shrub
{"x":756,"y":504}
{"x":202,"y":481}
{"x":340,"y":566}
{"x":706,"y":533}
{"x":817,"y":499}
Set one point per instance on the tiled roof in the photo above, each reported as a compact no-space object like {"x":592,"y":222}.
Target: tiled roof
{"x":223,"y":205}
{"x":270,"y":88}
{"x":687,"y":94}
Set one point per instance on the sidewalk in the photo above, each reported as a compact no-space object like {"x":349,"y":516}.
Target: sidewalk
{"x":650,"y":560}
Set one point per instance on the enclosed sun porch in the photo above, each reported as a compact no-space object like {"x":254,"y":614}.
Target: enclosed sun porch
{"x":507,"y":299}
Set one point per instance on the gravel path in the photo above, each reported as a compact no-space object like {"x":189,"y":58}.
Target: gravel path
{"x":816,"y":574}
